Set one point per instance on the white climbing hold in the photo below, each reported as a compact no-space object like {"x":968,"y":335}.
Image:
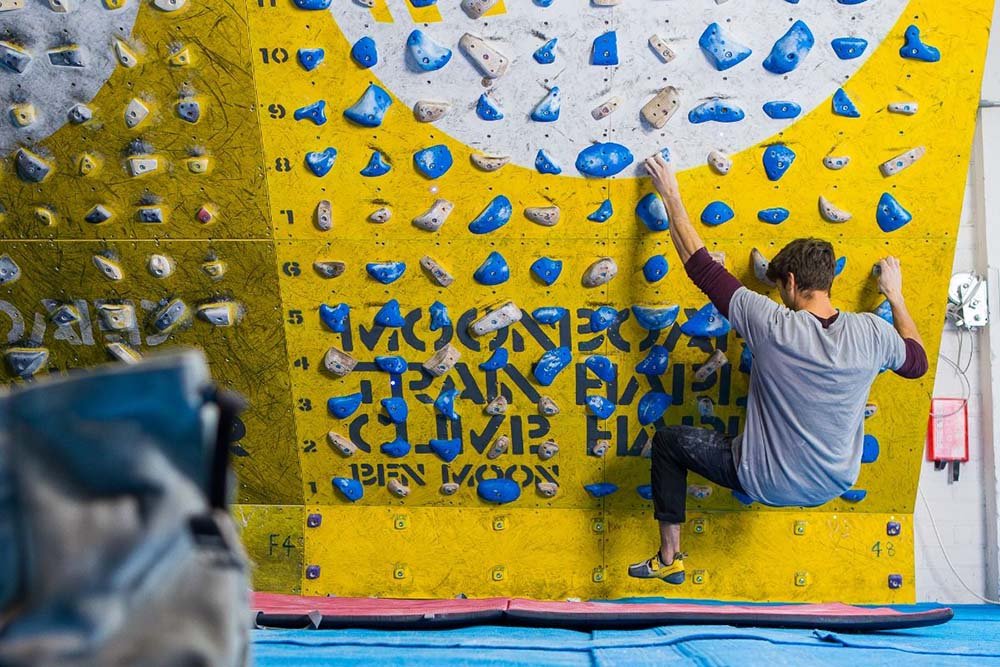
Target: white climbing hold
{"x":23,"y":115}
{"x":476,"y":8}
{"x":338,"y":362}
{"x":214,"y":269}
{"x":760,"y":264}
{"x":124,"y":54}
{"x":88,"y":163}
{"x":64,"y":6}
{"x":547,"y":450}
{"x":116,"y":316}
{"x":646,"y":451}
{"x":490,"y":62}
{"x":497,"y":319}
{"x":498,"y":448}
{"x":905,"y":108}
{"x":606,"y":108}
{"x":902,"y":161}
{"x":135,"y":112}
{"x":606,"y":3}
{"x":428,"y":111}
{"x":220,"y":313}
{"x":438,"y":272}
{"x":397,"y":488}
{"x":123,"y":353}
{"x":659,"y":45}
{"x":160,"y":266}
{"x":449,"y":489}
{"x":836,"y":162}
{"x":11,"y":5}
{"x":489,"y":162}
{"x":197,"y":165}
{"x":662,"y":107}
{"x":706,"y":406}
{"x":181,"y":58}
{"x":169,"y":5}
{"x":699,"y":491}
{"x":714,"y":363}
{"x":720,"y":162}
{"x":341,"y":444}
{"x":547,"y":216}
{"x":329,"y":269}
{"x":547,"y":406}
{"x":324,"y":215}
{"x":497,"y":406}
{"x":109,"y":268}
{"x":435,"y":215}
{"x":547,"y":489}
{"x":600,"y":272}
{"x":600,"y":447}
{"x":831,"y":213}
{"x":870,"y":410}
{"x":140,"y":166}
{"x":443,"y":360}
{"x":380,"y":215}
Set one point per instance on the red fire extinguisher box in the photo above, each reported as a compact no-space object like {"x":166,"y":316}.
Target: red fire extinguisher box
{"x":948,"y":430}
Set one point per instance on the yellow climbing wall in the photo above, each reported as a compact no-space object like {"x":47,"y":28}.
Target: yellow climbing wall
{"x":303,"y":534}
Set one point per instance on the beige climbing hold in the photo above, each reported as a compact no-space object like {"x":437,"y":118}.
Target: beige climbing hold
{"x":180,"y":59}
{"x":720,"y":162}
{"x":115,"y":4}
{"x":87,"y":164}
{"x":45,"y":216}
{"x":341,"y":444}
{"x":489,"y":162}
{"x":140,"y":166}
{"x":435,"y":215}
{"x":449,"y":489}
{"x":606,"y":108}
{"x":23,"y":115}
{"x":902,"y":161}
{"x":662,"y":107}
{"x":397,"y":488}
{"x":123,"y":353}
{"x":905,"y":108}
{"x":198,"y":165}
{"x":718,"y":257}
{"x":497,"y":319}
{"x":831,"y":213}
{"x":109,"y":268}
{"x":443,"y":360}
{"x":160,"y":266}
{"x":547,"y":216}
{"x":11,"y":5}
{"x":338,"y":362}
{"x":220,"y":313}
{"x":324,"y":215}
{"x":714,"y":363}
{"x":870,"y":410}
{"x":659,"y":45}
{"x":547,"y":489}
{"x":214,"y":269}
{"x":428,"y":111}
{"x":380,"y":215}
{"x":476,"y":8}
{"x":836,"y":162}
{"x":329,"y":269}
{"x":601,"y":447}
{"x":497,"y":406}
{"x":64,"y":6}
{"x":490,"y":62}
{"x":547,"y":450}
{"x":169,"y":5}
{"x":498,"y":448}
{"x":117,"y":316}
{"x":125,"y":55}
{"x":135,"y":112}
{"x":438,"y":272}
{"x":547,"y":406}
{"x":600,"y":272}
{"x":699,"y":491}
{"x":760,"y":264}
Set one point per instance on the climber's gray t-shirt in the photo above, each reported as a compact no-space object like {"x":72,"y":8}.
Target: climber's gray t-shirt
{"x":802,"y":441}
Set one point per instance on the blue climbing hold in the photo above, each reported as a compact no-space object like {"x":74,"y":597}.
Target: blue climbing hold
{"x":645,"y":491}
{"x":321,"y":162}
{"x":312,"y":4}
{"x":652,"y":406}
{"x":549,"y":314}
{"x":849,"y":48}
{"x":546,"y":269}
{"x":425,"y":53}
{"x":655,"y":319}
{"x":493,"y":271}
{"x":655,"y":268}
{"x":884,"y":310}
{"x":843,"y":106}
{"x":603,"y":159}
{"x":547,"y":110}
{"x":316,"y":112}
{"x":544,"y":3}
{"x":708,"y":322}
{"x":342,"y":407}
{"x":717,"y":213}
{"x":838,"y":268}
{"x":915,"y":49}
{"x":497,"y":360}
{"x":790,"y":49}
{"x":746,"y":359}
{"x":499,"y":491}
{"x":439,"y":316}
{"x":773,"y":216}
{"x":890,"y":214}
{"x":398,"y":448}
{"x":655,"y":361}
{"x":419,"y":4}
{"x":605,"y":51}
{"x":721,"y":51}
{"x":334,"y":317}
{"x":349,"y":487}
{"x":551,"y":364}
{"x":545,"y":54}
{"x":603,"y":212}
{"x":310,"y":58}
{"x":377,"y":166}
{"x":370,"y":108}
{"x":391,"y":363}
{"x":782,"y":109}
{"x":717,"y":110}
{"x":385,"y":272}
{"x":601,"y":366}
{"x":870,"y":449}
{"x":445,"y":404}
{"x":600,"y":489}
{"x":743,"y":498}
{"x":364,"y":52}
{"x":487,"y":109}
{"x":651,"y":211}
{"x":602,"y":318}
{"x":854,"y":495}
{"x":496,"y":214}
{"x":546,"y":164}
{"x":778,"y":158}
{"x":851,"y":2}
{"x":433,"y":161}
{"x":447,"y":450}
{"x":600,"y":406}
{"x":389,"y":316}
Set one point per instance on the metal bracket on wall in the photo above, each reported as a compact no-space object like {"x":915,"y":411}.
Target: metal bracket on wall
{"x":967,"y":305}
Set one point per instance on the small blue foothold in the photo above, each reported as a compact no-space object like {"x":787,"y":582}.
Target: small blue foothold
{"x":545,"y":54}
{"x":870,"y":449}
{"x":445,"y":403}
{"x":344,"y":406}
{"x":422,"y":3}
{"x":600,"y":406}
{"x":652,"y":406}
{"x":717,"y":213}
{"x":425,"y":53}
{"x":377,"y":166}
{"x":884,"y":310}
{"x":838,"y":268}
{"x":391,"y":363}
{"x":385,"y":272}
{"x":543,"y":3}
{"x":645,"y":491}
{"x":546,"y":164}
{"x":890,"y":214}
{"x":603,"y":159}
{"x":651,"y":211}
{"x":605,"y":51}
{"x":496,"y":361}
{"x":351,"y":488}
{"x":310,"y":58}
{"x":773,"y":216}
{"x":321,"y":162}
{"x":447,"y":450}
{"x":334,"y":317}
{"x":439,"y":316}
{"x":551,"y":364}
{"x":487,"y":109}
{"x":433,"y":161}
{"x":496,"y":214}
{"x":655,"y":268}
{"x":370,"y":109}
{"x":547,"y":110}
{"x":549,"y":314}
{"x":854,"y":495}
{"x":493,"y":271}
{"x":389,"y":316}
{"x":398,"y":448}
{"x":602,"y":318}
{"x":843,"y":106}
{"x":655,"y":362}
{"x":708,"y":322}
{"x":717,"y":110}
{"x":743,"y":498}
{"x":849,"y":48}
{"x":364,"y":52}
{"x":746,"y":359}
{"x":722,"y":52}
{"x":915,"y":49}
{"x":601,"y":367}
{"x":312,"y":4}
{"x":790,"y":49}
{"x":655,"y":319}
{"x":547,"y":269}
{"x":316,"y":112}
{"x":600,"y":489}
{"x":499,"y":491}
{"x":778,"y":158}
{"x":780,"y":109}
{"x":603,"y":212}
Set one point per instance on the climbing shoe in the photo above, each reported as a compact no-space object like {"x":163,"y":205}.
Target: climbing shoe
{"x":655,"y":569}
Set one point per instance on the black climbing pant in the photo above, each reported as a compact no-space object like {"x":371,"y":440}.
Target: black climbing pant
{"x":677,"y":449}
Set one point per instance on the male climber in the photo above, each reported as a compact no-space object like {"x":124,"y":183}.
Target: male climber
{"x":813,"y":366}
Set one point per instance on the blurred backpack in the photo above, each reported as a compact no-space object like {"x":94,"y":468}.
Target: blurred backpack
{"x":115,"y":544}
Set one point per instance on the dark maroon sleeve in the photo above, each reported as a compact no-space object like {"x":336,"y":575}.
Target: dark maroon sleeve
{"x":915,"y":364}
{"x":713,"y":279}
